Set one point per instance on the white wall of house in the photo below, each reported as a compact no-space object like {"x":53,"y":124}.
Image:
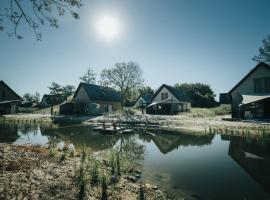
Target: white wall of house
{"x":170,"y":95}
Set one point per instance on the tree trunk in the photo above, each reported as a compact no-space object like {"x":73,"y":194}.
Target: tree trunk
{"x":51,"y":109}
{"x":122,"y":96}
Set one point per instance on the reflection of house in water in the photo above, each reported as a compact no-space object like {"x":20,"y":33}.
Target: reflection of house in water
{"x":254,"y":157}
{"x":166,"y":143}
{"x":81,"y":136}
{"x":8,"y":133}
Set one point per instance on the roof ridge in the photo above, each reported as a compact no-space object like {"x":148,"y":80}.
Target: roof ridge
{"x":260,"y":64}
{"x":19,"y":97}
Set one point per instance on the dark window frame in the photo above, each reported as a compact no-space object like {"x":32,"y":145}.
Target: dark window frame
{"x":261,"y":85}
{"x":164,"y":95}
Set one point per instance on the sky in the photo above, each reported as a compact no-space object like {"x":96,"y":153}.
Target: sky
{"x":173,"y":41}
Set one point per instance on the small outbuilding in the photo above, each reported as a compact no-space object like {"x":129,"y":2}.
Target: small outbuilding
{"x":142,"y":101}
{"x":9,"y":100}
{"x":168,"y":100}
{"x":92,"y":99}
{"x":250,"y":97}
{"x":49,"y":100}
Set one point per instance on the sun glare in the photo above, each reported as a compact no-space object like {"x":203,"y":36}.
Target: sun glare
{"x":108,"y":27}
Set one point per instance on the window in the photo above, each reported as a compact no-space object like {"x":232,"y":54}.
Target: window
{"x":2,"y":95}
{"x":257,"y":85}
{"x":262,"y":85}
{"x":164,"y":96}
{"x":267,"y":84}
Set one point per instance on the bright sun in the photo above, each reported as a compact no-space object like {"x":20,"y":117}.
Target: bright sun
{"x":108,"y":27}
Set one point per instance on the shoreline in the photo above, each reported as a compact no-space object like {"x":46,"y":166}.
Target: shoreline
{"x":31,"y":172}
{"x":22,"y":157}
{"x":181,"y":123}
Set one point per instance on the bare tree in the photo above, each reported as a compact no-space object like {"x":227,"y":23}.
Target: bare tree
{"x":35,"y":13}
{"x":125,"y":77}
{"x":264,"y":51}
{"x":89,"y":76}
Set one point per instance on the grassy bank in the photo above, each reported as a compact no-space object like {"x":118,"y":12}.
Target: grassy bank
{"x":34,"y":172}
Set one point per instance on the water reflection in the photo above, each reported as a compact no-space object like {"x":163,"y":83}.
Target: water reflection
{"x":200,"y":164}
{"x":81,"y":136}
{"x":168,"y":142}
{"x":8,"y":133}
{"x":253,"y":156}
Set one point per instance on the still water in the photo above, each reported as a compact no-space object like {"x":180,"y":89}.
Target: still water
{"x":206,"y":167}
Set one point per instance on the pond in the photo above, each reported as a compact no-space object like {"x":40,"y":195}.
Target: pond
{"x":206,"y":167}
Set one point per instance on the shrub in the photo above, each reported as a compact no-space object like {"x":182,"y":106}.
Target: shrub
{"x":52,"y":152}
{"x":222,"y":110}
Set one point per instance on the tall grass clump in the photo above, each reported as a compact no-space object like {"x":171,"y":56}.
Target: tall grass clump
{"x":142,"y":195}
{"x":52,"y":149}
{"x":94,"y":168}
{"x":118,"y":163}
{"x":88,"y":172}
{"x":104,"y":186}
{"x":115,"y":162}
{"x":81,"y":175}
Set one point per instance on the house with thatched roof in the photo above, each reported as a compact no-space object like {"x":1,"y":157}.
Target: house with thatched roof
{"x":169,"y":100}
{"x":92,"y":99}
{"x":9,"y":100}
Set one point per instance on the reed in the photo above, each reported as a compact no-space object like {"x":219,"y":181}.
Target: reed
{"x":142,"y":192}
{"x":104,"y":186}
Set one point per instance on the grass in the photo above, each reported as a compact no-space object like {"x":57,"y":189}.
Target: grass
{"x":210,"y":112}
{"x":52,"y":152}
{"x":104,"y":186}
{"x":257,"y":132}
{"x":115,"y":162}
{"x":126,"y":111}
{"x":47,"y":110}
{"x":89,"y":172}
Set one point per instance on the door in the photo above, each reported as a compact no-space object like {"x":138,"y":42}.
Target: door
{"x":110,"y":108}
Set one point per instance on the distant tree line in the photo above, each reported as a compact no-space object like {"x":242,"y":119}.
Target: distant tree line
{"x":201,"y":95}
